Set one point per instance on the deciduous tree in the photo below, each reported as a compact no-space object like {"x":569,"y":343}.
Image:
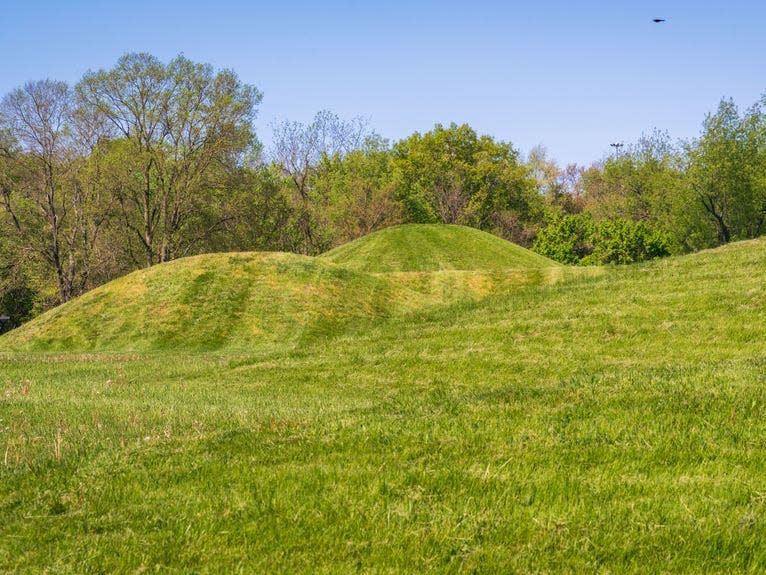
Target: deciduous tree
{"x":298,"y":150}
{"x":359,"y":188}
{"x":451,"y":175}
{"x":728,"y":173}
{"x":49,"y":211}
{"x":183,"y":125}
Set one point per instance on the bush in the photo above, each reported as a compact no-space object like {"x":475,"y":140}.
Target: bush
{"x":17,"y":303}
{"x":579,"y":240}
{"x":567,"y":240}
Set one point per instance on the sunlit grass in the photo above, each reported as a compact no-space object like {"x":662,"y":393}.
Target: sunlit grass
{"x":610,"y":423}
{"x":278,"y":301}
{"x":426,"y":248}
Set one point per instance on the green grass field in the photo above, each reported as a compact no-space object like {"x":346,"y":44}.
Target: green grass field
{"x":497,"y":420}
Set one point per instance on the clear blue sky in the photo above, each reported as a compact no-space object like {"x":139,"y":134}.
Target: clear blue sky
{"x":572,"y":76}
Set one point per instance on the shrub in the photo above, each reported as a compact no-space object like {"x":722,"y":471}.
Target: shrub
{"x":567,"y":240}
{"x":577,"y":239}
{"x":17,"y":303}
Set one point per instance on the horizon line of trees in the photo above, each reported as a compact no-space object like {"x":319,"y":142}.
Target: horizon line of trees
{"x":150,"y":161}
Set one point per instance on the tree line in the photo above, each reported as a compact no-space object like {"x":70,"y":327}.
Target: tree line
{"x":150,"y":161}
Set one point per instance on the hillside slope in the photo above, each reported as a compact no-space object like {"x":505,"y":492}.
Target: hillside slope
{"x":432,"y":247}
{"x":260,"y":301}
{"x":207,"y":302}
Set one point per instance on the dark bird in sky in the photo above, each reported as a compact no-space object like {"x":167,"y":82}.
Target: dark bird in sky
{"x":658,"y":20}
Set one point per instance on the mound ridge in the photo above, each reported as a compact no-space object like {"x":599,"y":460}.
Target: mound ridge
{"x":265,"y":301}
{"x":208,"y":302}
{"x":433,"y":247}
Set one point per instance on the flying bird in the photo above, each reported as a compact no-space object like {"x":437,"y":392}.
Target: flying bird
{"x":658,"y":20}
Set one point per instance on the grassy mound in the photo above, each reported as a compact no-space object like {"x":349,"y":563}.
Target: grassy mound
{"x":254,"y":300}
{"x":420,"y":247}
{"x":260,"y":301}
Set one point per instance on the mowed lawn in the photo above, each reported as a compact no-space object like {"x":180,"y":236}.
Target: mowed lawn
{"x":613,"y":423}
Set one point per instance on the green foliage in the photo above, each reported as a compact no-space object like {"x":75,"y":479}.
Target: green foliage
{"x":259,"y":215}
{"x":626,"y":242}
{"x":559,"y":187}
{"x":47,"y":210}
{"x":17,"y":303}
{"x":309,"y":157}
{"x":182,"y":125}
{"x":17,"y":296}
{"x":133,"y":167}
{"x":710,"y":193}
{"x":578,"y":239}
{"x":727,"y":171}
{"x":358,"y":191}
{"x":567,"y":240}
{"x":451,"y":175}
{"x":648,"y":183}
